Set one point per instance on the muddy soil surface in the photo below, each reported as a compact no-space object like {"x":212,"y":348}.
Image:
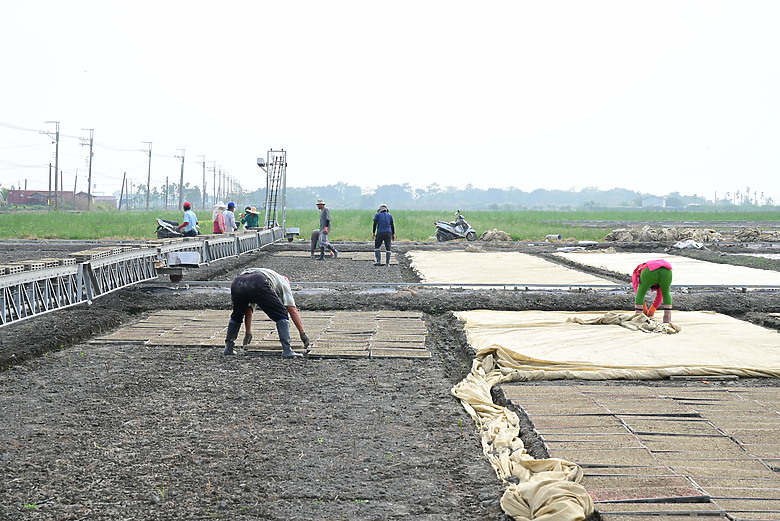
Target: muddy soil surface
{"x":94,"y":431}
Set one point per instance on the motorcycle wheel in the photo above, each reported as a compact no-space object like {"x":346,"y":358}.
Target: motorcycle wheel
{"x":440,"y":236}
{"x":471,"y":236}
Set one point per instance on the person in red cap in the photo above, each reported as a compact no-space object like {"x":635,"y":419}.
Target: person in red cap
{"x":189,"y":225}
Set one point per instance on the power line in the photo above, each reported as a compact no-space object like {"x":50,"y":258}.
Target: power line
{"x":113,"y":172}
{"x":17,"y":165}
{"x":117,"y":149}
{"x":17,"y":127}
{"x":19,"y":145}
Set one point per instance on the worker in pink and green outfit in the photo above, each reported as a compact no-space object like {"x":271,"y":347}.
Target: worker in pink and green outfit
{"x":655,"y":275}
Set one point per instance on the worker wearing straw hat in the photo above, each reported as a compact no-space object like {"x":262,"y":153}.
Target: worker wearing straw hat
{"x":250,"y":219}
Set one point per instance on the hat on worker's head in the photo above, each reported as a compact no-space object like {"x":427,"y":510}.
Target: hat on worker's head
{"x":382,"y":208}
{"x":186,"y":205}
{"x":320,"y":201}
{"x":252,"y":209}
{"x":247,"y":208}
{"x":231,"y":205}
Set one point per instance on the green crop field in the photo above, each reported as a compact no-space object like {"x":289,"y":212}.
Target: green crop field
{"x":352,"y":225}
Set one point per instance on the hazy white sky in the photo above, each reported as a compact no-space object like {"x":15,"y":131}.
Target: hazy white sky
{"x":654,"y":96}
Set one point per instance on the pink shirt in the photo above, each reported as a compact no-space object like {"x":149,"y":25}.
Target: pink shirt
{"x":219,"y":223}
{"x":652,"y":266}
{"x":655,"y":264}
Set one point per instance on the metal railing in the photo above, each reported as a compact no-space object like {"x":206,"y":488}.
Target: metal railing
{"x":33,"y":288}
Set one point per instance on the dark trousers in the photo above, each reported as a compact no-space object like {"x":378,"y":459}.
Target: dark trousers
{"x":254,"y":288}
{"x":383,"y":237}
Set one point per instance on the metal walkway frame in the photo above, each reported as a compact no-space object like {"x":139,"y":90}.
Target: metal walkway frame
{"x":34,"y":292}
{"x":119,"y":271}
{"x":23,"y":295}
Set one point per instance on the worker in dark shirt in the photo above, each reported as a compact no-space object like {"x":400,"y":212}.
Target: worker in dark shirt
{"x":383,"y":232}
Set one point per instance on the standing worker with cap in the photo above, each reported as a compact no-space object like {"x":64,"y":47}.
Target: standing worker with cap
{"x":383,"y":232}
{"x":189,"y":225}
{"x":230,"y":218}
{"x":272,"y":293}
{"x":325,"y":230}
{"x":655,"y":275}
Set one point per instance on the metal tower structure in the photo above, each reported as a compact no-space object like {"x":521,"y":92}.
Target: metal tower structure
{"x":275,"y":167}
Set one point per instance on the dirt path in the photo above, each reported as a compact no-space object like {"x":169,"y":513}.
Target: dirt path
{"x":128,"y":432}
{"x":92,"y":431}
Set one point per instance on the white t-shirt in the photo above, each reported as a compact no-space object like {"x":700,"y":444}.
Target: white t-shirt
{"x":279,"y":284}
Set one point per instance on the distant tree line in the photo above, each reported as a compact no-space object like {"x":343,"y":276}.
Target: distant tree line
{"x":435,"y":196}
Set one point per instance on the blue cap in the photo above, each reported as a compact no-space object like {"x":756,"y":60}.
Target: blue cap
{"x":231,"y":205}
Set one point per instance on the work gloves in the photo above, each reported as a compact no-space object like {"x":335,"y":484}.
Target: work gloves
{"x":305,"y":340}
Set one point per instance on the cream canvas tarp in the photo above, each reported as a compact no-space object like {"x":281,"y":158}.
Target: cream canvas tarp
{"x":543,"y":345}
{"x":503,"y":267}
{"x":536,"y":345}
{"x":685,"y":271}
{"x":773,"y":256}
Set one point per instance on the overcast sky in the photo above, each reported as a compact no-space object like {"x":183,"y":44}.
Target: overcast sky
{"x":657,"y":96}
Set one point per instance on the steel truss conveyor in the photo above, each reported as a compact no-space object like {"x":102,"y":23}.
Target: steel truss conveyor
{"x":26,"y":292}
{"x":30,"y":293}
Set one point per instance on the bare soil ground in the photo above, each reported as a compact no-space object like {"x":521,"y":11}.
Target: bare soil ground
{"x":93,"y":431}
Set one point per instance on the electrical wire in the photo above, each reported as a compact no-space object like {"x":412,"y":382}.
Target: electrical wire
{"x":17,"y":165}
{"x":17,"y":127}
{"x":113,"y":173}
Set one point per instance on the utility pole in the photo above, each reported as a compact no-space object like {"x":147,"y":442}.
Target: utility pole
{"x":122,"y":191}
{"x":221,"y":183}
{"x":181,"y":179}
{"x":166,"y":193}
{"x":148,"y":173}
{"x":48,"y":201}
{"x":89,"y":142}
{"x":56,"y":155}
{"x":203,"y":162}
{"x":214,"y":179}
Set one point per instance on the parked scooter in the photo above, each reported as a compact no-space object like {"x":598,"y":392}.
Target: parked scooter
{"x":167,"y":229}
{"x":457,"y":229}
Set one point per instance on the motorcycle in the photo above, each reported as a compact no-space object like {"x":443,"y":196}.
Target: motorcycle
{"x":167,"y":229}
{"x":457,"y":229}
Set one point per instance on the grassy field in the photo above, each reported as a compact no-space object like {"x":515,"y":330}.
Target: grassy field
{"x":355,"y":225}
{"x":349,"y":225}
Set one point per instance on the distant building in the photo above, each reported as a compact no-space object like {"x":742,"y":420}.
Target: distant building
{"x":110,"y":199}
{"x":654,"y":202}
{"x":81,"y":200}
{"x":35,"y":197}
